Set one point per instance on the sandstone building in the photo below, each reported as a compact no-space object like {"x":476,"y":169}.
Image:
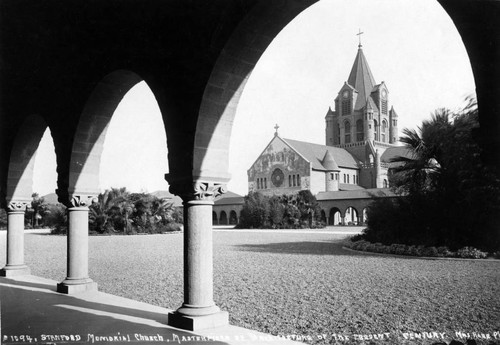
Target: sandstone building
{"x":361,"y":138}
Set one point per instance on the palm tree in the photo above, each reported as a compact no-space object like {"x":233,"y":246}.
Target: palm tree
{"x":39,"y":208}
{"x":418,"y":172}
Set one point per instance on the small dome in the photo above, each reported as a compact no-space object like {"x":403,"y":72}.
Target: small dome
{"x":329,"y":163}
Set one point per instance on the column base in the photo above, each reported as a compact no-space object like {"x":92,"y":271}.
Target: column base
{"x":195,"y":323}
{"x":14,"y":270}
{"x":70,"y":287}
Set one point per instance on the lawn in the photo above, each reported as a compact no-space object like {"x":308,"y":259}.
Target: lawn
{"x":292,"y":283}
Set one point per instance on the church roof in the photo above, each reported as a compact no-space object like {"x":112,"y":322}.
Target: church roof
{"x":315,"y":153}
{"x":361,"y":79}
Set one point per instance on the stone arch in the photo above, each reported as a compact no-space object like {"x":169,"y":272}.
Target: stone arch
{"x":22,"y":159}
{"x":334,"y":216}
{"x":227,"y":81}
{"x":214,"y":218}
{"x":223,"y":218}
{"x":233,"y":218}
{"x":91,"y":131}
{"x":364,"y":215}
{"x":351,"y":216}
{"x":323,"y":216}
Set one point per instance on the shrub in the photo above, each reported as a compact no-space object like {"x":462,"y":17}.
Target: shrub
{"x":470,"y":252}
{"x":293,"y":211}
{"x":430,"y":251}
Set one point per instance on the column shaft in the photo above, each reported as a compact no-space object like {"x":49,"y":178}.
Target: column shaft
{"x":15,"y":245}
{"x":198,"y":259}
{"x":77,"y":279}
{"x":199,"y":310}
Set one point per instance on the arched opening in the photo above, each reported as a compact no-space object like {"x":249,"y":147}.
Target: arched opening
{"x":323,"y":216}
{"x":233,"y":218}
{"x":214,"y":218}
{"x":364,"y":218}
{"x":19,"y":192}
{"x":223,"y":218}
{"x":347,"y":132}
{"x":351,"y":216}
{"x":334,"y":217}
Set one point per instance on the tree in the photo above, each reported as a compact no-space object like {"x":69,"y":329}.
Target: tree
{"x":38,"y":209}
{"x":449,"y":197}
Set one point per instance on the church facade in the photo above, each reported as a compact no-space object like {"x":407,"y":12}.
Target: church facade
{"x":361,"y":138}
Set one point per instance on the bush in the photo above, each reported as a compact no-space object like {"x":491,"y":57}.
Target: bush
{"x":402,"y":249}
{"x":471,"y":253}
{"x":296,"y":211}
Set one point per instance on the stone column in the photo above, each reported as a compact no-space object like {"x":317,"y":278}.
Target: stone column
{"x":78,"y":279}
{"x":15,"y":240}
{"x":198,"y":310}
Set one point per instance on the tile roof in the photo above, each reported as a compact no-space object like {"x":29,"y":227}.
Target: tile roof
{"x":345,"y":186}
{"x":230,"y":201}
{"x":393,"y":152}
{"x":229,"y":198}
{"x":355,"y":194}
{"x":314,"y":153}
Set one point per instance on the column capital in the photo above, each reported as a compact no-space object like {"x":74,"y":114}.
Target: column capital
{"x":18,"y":206}
{"x":199,"y":189}
{"x":82,"y":200}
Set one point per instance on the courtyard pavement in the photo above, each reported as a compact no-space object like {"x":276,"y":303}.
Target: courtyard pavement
{"x":32,"y":312}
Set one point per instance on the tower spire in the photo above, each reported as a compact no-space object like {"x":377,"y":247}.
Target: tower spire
{"x":359,"y":37}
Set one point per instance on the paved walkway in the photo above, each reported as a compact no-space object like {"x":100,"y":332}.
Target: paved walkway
{"x":32,"y":312}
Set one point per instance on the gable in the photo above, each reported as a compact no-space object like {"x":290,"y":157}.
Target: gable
{"x":278,"y":153}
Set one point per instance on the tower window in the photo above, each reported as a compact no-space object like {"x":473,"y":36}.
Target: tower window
{"x":346,"y":107}
{"x":298,"y":180}
{"x":347,"y":130}
{"x":289,"y":180}
{"x":293,"y":179}
{"x":359,"y":130}
{"x":384,"y":106}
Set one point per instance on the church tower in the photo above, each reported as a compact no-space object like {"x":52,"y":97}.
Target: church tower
{"x":361,"y":110}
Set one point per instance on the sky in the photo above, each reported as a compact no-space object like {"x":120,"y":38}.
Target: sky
{"x":413,"y":46}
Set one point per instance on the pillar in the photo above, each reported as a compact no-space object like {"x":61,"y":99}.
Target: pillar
{"x":15,"y":240}
{"x":77,"y":279}
{"x":198,"y":310}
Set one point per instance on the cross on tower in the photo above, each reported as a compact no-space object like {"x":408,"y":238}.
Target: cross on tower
{"x":276,"y":128}
{"x":359,"y":36}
